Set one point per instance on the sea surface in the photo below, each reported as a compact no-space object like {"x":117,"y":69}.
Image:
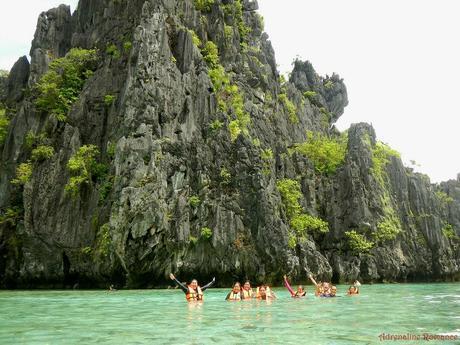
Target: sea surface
{"x":164,"y":317}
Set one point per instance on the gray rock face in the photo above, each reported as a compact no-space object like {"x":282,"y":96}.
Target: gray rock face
{"x":179,"y":194}
{"x":331,"y":91}
{"x":51,"y":40}
{"x":17,"y":80}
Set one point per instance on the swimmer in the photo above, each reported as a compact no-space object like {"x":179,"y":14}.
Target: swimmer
{"x":297,"y":294}
{"x":265,"y":293}
{"x":193,"y":292}
{"x":235,"y":294}
{"x":247,"y":292}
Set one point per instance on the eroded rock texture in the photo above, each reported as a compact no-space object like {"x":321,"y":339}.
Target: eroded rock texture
{"x":174,"y":170}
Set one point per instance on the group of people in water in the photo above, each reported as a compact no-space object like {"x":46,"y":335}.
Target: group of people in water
{"x":194,"y":292}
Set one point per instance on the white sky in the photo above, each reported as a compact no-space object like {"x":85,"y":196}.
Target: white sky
{"x":400,"y":60}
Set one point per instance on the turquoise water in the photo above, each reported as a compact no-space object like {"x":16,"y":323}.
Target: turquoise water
{"x":164,"y":317}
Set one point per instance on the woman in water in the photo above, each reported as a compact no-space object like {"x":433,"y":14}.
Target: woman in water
{"x":193,"y":292}
{"x":324,"y":289}
{"x":235,"y":294}
{"x":354,"y":289}
{"x":247,"y":292}
{"x":333,"y":291}
{"x":265,"y":293}
{"x":297,"y":294}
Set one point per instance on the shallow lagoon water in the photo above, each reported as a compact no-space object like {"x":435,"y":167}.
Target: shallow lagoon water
{"x":164,"y":317}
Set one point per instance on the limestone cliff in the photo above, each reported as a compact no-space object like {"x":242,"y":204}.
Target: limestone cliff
{"x":196,"y":139}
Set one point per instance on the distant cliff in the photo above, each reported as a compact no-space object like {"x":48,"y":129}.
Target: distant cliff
{"x":146,"y":137}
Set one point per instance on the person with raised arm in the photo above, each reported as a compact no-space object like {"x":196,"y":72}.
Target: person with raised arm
{"x":193,"y":292}
{"x":297,"y":294}
{"x":354,"y":289}
{"x":324,"y":289}
{"x":318,"y":287}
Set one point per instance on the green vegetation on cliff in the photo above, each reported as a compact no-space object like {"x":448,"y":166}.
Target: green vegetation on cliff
{"x":358,"y":243}
{"x":390,"y":226}
{"x":311,"y":95}
{"x":444,"y":198}
{"x":41,"y":153}
{"x":300,"y":222}
{"x":267,"y":158}
{"x":290,"y":194}
{"x":235,"y":10}
{"x":113,"y":51}
{"x":290,"y":108}
{"x":326,"y":154}
{"x":109,"y":100}
{"x":11,"y":216}
{"x":4,"y":123}
{"x":195,"y":39}
{"x":103,"y":241}
{"x":82,"y":166}
{"x":381,"y":156}
{"x":387,"y":229}
{"x":229,"y":97}
{"x":448,"y":231}
{"x":23,"y":174}
{"x":59,"y":88}
{"x":194,"y":201}
{"x":33,"y":140}
{"x":211,"y":54}
{"x":206,"y":233}
{"x":203,"y":5}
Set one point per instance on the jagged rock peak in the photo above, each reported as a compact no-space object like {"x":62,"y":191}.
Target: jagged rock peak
{"x":331,"y":91}
{"x":17,"y":80}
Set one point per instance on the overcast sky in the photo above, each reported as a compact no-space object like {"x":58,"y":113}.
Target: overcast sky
{"x":400,"y":60}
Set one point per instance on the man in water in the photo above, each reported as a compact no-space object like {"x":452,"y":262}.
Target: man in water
{"x":193,"y":292}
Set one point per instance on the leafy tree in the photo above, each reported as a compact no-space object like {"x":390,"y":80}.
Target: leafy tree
{"x":387,"y":230}
{"x":194,"y":201}
{"x":381,"y":155}
{"x":357,"y":242}
{"x":206,"y":233}
{"x":290,"y":107}
{"x":211,"y":54}
{"x":60,"y":87}
{"x":23,"y":174}
{"x":82,"y":166}
{"x":300,"y":222}
{"x":204,"y":5}
{"x":41,"y":153}
{"x":108,"y":100}
{"x":326,"y":154}
{"x":448,"y":231}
